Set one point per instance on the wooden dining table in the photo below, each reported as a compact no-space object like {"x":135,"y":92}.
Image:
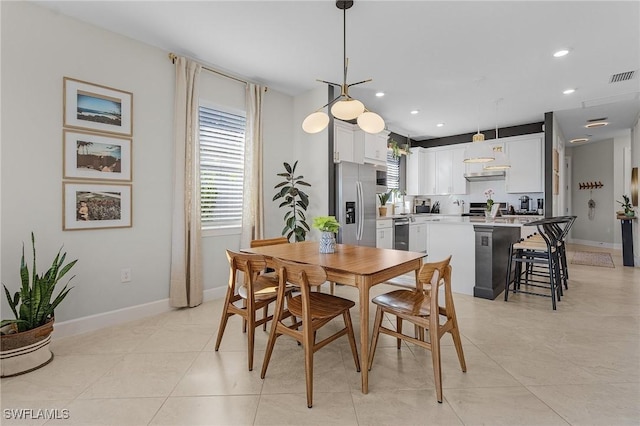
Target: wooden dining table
{"x":357,"y":266}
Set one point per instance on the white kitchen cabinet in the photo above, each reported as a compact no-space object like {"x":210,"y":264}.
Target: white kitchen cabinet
{"x":416,"y":169}
{"x":526,"y":172}
{"x":418,"y":237}
{"x":384,"y":234}
{"x":449,"y":171}
{"x":346,"y":147}
{"x":375,"y":146}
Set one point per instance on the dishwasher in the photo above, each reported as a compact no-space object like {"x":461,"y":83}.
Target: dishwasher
{"x":401,"y":233}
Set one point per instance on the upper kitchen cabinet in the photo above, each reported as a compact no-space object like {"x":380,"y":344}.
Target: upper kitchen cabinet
{"x":421,"y":172}
{"x":450,"y":170}
{"x":346,"y":147}
{"x":375,"y":146}
{"x":527,"y":165}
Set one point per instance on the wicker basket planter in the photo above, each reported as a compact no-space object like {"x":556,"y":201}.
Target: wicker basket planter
{"x":25,"y":351}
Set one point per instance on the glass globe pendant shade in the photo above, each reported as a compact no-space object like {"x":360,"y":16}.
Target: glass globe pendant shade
{"x":347,"y":109}
{"x":370,"y":122}
{"x":315,"y":122}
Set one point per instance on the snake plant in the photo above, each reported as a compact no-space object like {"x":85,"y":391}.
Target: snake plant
{"x":32,"y":305}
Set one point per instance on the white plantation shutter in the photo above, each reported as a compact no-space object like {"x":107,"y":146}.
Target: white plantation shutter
{"x":221,"y":168}
{"x":393,"y":171}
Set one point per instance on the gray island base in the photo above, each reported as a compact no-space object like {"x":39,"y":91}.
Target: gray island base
{"x":492,"y":245}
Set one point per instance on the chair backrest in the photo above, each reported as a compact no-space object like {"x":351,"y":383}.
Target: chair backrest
{"x":300,"y":274}
{"x":432,"y":274}
{"x":247,"y":263}
{"x":269,"y":242}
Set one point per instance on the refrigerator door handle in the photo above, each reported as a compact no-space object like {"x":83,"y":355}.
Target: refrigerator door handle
{"x":360,"y":212}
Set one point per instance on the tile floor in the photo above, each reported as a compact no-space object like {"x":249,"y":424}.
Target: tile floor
{"x":526,"y":364}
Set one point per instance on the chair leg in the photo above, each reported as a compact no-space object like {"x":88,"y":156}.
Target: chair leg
{"x":457,"y":342}
{"x":265,"y":315}
{"x":273,"y":335}
{"x":251,"y":324}
{"x":375,"y":334}
{"x":332,"y":286}
{"x":352,"y":338}
{"x":507,"y":284}
{"x":223,"y":325}
{"x":399,"y":330}
{"x":244,"y":320}
{"x":435,"y":356}
{"x":307,"y":336}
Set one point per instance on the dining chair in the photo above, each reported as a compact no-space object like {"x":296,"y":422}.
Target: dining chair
{"x":422,"y":308}
{"x":314,"y":310}
{"x":282,"y":240}
{"x":256,"y":292}
{"x":268,"y":273}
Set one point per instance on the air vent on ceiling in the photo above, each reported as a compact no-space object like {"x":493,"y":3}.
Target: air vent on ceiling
{"x":623,"y":76}
{"x":597,"y":119}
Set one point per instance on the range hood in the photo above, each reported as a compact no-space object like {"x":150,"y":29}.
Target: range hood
{"x":483,"y":176}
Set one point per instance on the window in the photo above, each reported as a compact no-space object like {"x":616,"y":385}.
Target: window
{"x":221,"y":168}
{"x":393,"y":171}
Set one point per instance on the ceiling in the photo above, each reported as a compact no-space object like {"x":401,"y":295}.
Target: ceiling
{"x":465,"y":64}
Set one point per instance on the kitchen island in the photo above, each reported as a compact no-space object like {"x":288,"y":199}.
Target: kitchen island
{"x":479,"y":248}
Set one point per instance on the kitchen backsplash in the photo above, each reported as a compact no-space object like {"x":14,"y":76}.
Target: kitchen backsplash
{"x":476,"y":195}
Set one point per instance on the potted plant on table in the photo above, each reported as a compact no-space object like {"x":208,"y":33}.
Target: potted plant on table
{"x":328,"y":225}
{"x":24,"y":341}
{"x":489,"y":210}
{"x":384,"y":197}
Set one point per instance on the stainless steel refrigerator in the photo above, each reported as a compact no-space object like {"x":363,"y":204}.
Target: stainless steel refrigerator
{"x":356,"y":204}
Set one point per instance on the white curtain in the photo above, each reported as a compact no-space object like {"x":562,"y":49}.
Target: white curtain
{"x":186,"y":264}
{"x":253,"y":207}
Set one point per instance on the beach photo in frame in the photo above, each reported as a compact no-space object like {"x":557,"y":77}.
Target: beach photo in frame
{"x":96,"y":206}
{"x":98,"y":108}
{"x":95,"y":156}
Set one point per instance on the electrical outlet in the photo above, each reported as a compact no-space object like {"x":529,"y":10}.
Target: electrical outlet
{"x":125,"y":275}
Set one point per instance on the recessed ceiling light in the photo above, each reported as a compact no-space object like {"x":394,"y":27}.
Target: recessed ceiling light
{"x":414,"y":112}
{"x":596,"y":124}
{"x":561,"y":53}
{"x":569,"y":91}
{"x":380,"y":94}
{"x":439,"y":124}
{"x":578,"y":140}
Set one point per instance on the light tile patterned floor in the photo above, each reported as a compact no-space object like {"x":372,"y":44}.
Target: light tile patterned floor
{"x":526,"y":364}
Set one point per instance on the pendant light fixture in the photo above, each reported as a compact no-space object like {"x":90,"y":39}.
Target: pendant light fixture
{"x":478,"y":151}
{"x":501,"y":162}
{"x":344,"y":107}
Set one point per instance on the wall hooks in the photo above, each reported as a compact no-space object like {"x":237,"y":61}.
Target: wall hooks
{"x":590,"y":185}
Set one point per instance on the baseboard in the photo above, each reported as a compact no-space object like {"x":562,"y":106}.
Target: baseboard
{"x":613,"y":246}
{"x":124,"y":315}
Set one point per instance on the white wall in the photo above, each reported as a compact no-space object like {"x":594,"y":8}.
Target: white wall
{"x":594,"y":162}
{"x":635,"y":162}
{"x":621,"y":174}
{"x":39,"y":48}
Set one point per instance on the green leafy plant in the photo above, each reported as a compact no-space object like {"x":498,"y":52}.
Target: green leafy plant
{"x":626,"y":204}
{"x":32,"y":305}
{"x":384,"y":197}
{"x":326,"y":223}
{"x":397,"y":150}
{"x":296,"y":202}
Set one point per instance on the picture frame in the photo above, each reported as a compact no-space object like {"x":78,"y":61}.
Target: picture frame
{"x":97,"y":108}
{"x":92,"y":156}
{"x":96,"y":206}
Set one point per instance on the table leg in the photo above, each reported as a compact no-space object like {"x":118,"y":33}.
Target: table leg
{"x":364,"y":335}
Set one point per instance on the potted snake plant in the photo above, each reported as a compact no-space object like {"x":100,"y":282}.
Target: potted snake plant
{"x":24,"y":340}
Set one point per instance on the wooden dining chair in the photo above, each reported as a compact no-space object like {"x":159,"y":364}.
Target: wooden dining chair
{"x":422,"y":308}
{"x":268,"y":272}
{"x":282,"y":240}
{"x":314,"y":309}
{"x":256,"y":292}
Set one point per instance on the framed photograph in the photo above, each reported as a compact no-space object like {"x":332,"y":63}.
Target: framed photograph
{"x":96,"y":206}
{"x":94,"y":156}
{"x":98,"y":108}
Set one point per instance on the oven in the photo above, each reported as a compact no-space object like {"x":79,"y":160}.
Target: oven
{"x":401,"y":233}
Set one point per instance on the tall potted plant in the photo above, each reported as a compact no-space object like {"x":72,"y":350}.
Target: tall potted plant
{"x":296,"y":202}
{"x":24,"y":343}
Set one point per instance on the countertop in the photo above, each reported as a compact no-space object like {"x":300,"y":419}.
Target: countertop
{"x":456,"y":219}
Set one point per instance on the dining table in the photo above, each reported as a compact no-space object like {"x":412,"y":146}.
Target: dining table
{"x":358,"y":266}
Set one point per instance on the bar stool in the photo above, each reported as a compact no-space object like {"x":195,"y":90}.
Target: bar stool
{"x":538,"y":250}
